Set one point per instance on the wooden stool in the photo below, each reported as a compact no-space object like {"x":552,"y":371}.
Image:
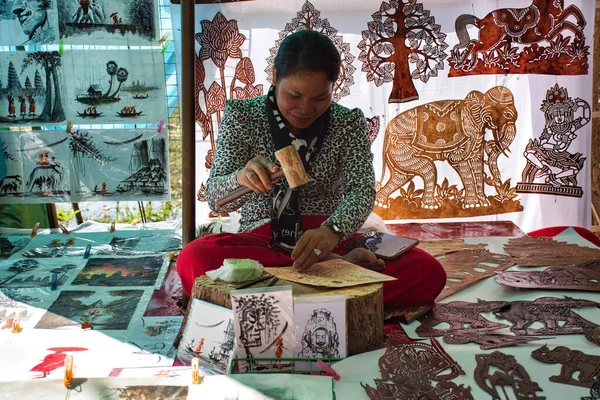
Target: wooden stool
{"x":364,"y":307}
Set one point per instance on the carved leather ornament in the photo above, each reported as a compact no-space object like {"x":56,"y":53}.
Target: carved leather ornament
{"x":508,"y":372}
{"x":462,"y":316}
{"x":488,"y":340}
{"x":466,"y":267}
{"x":409,"y":370}
{"x":574,"y":363}
{"x":444,"y":246}
{"x":530,"y":251}
{"x":560,"y":278}
{"x":554,"y":313}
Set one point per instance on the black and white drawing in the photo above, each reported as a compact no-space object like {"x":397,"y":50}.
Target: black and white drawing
{"x":263,"y":320}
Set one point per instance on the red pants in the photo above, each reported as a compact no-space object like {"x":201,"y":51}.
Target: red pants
{"x":420,"y":276}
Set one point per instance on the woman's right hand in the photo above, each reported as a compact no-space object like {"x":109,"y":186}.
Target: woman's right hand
{"x":255,"y":175}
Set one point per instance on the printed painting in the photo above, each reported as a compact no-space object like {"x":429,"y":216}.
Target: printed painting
{"x":108,"y":22}
{"x":119,"y":165}
{"x":55,"y":245}
{"x":209,"y":336}
{"x":546,"y":37}
{"x":25,"y":302}
{"x":37,"y":167}
{"x":27,"y":22}
{"x":32,"y":93}
{"x":263,"y":321}
{"x":551,"y":167}
{"x":115,"y":87}
{"x":113,"y":272}
{"x":36,"y":273}
{"x":320,"y":327}
{"x":165,"y":300}
{"x":417,"y":140}
{"x":103,"y":310}
{"x":138,"y":242}
{"x":9,"y":245}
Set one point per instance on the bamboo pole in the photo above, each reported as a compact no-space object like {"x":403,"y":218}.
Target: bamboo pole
{"x":188,"y":122}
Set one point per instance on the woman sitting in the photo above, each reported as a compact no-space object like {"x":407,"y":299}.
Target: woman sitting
{"x":280,"y":226}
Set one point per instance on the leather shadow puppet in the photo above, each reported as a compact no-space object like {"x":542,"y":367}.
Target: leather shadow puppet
{"x":467,"y":267}
{"x":557,"y":278}
{"x":507,"y":372}
{"x":586,"y":366}
{"x":488,"y":341}
{"x":444,"y":246}
{"x":409,"y":371}
{"x":553,"y":312}
{"x":461,"y":316}
{"x":531,"y":251}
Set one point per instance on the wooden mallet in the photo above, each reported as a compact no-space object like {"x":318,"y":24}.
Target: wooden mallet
{"x":291,"y":167}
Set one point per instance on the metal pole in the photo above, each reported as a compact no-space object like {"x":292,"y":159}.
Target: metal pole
{"x":188,"y":148}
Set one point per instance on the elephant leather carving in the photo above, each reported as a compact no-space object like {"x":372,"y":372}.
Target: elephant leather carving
{"x":455,"y":131}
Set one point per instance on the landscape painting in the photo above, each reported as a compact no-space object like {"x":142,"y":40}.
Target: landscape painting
{"x":36,"y":273}
{"x":112,"y":271}
{"x":37,"y":167}
{"x":102,"y":310}
{"x":209,"y":336}
{"x":131,"y":243}
{"x":56,"y":245}
{"x":27,"y":22}
{"x":110,"y":22}
{"x":118,"y":165}
{"x":115,"y":87}
{"x":31,"y":88}
{"x":10,"y":245}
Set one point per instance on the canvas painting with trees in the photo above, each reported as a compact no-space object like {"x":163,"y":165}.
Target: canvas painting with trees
{"x":115,"y":87}
{"x":31,"y":88}
{"x":121,"y":165}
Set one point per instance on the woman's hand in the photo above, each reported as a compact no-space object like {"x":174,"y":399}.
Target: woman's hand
{"x":255,"y":175}
{"x":314,"y":246}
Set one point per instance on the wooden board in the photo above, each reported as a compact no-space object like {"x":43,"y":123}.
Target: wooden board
{"x":364,"y":307}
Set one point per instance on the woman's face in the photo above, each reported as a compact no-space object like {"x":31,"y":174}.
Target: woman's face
{"x":303,"y":97}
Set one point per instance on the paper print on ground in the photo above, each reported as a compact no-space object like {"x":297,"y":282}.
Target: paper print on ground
{"x":36,"y":273}
{"x":10,"y":245}
{"x":112,"y":271}
{"x":209,"y":336}
{"x":103,"y":310}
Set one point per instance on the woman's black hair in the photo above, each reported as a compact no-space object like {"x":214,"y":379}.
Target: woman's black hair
{"x":307,"y":50}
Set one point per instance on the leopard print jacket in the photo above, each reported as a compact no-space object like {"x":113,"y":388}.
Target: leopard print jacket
{"x":342,"y":182}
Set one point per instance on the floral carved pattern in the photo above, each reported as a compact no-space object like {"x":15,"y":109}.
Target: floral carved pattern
{"x":220,"y":42}
{"x":402,"y":33}
{"x":310,"y":18}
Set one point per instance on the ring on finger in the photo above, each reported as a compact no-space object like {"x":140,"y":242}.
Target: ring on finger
{"x":250,"y":174}
{"x":317,"y":252}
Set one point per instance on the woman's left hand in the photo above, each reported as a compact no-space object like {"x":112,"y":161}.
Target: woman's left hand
{"x":314,"y":245}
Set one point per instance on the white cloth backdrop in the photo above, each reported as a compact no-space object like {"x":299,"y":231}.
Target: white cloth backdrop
{"x":261,"y":22}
